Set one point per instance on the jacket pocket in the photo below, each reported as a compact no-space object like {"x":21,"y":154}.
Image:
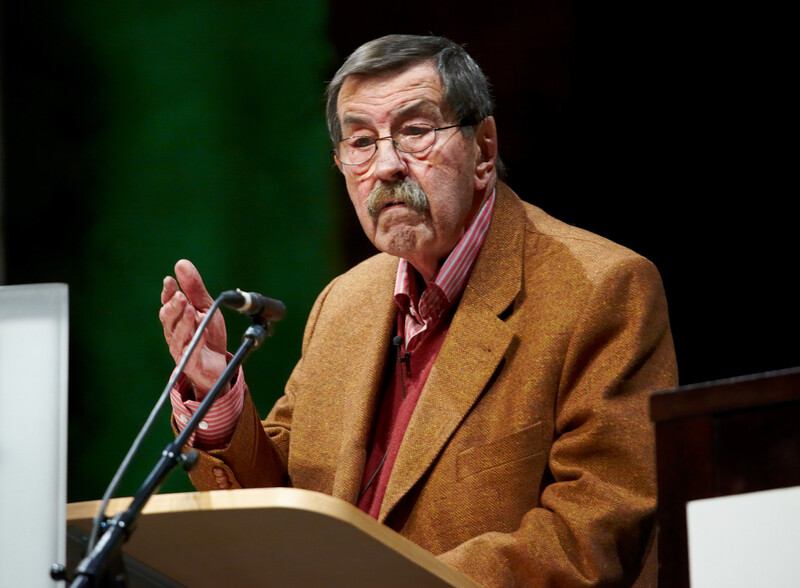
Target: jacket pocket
{"x":513,"y":447}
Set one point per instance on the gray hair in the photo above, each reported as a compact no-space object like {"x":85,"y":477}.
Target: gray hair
{"x":466,"y":90}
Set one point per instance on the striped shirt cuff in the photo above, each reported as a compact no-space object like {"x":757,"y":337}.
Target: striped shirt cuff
{"x":216,"y":429}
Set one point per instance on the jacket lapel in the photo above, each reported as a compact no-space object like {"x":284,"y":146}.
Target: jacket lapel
{"x":368,"y":356}
{"x":465,"y":363}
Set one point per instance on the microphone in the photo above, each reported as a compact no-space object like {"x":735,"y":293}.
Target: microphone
{"x":405,"y":358}
{"x":254,"y":304}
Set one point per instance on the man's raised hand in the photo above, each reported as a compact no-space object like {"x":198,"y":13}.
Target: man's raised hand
{"x":185,"y":303}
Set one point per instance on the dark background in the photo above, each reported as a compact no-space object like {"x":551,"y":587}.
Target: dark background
{"x":134,"y":134}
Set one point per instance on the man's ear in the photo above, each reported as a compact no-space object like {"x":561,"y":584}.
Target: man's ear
{"x":338,"y":163}
{"x":486,"y":139}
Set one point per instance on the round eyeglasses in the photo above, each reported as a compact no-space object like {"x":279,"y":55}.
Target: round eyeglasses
{"x":414,"y":138}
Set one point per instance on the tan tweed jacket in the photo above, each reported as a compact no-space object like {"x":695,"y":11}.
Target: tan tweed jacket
{"x":529,"y":458}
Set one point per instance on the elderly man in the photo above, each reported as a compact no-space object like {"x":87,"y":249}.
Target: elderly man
{"x":481,"y":385}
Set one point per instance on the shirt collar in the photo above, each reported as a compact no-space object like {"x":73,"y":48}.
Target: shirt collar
{"x":450,"y":280}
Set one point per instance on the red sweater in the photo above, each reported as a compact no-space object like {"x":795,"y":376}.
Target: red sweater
{"x":404,"y":382}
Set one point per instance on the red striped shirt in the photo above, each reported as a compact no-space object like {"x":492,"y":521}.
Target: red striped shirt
{"x":442,"y":293}
{"x":216,"y":428}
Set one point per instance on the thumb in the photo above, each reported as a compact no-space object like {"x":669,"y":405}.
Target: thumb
{"x":192,"y":285}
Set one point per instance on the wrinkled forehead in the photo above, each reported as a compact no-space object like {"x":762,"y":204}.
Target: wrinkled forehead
{"x":417,"y":88}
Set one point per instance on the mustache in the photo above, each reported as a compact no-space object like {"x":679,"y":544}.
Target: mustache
{"x":406,"y":191}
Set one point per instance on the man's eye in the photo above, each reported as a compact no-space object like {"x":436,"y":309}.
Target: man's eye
{"x":361,"y":142}
{"x":415,"y":130}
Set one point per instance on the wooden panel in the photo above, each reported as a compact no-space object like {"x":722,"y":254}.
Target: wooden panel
{"x":718,"y":439}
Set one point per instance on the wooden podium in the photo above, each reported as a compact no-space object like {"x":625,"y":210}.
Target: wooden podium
{"x":717,"y":439}
{"x":265,"y":537}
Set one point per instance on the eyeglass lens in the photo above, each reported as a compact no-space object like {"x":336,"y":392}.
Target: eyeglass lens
{"x":408,"y":139}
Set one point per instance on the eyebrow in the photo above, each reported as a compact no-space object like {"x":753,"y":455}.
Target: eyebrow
{"x":354,"y":119}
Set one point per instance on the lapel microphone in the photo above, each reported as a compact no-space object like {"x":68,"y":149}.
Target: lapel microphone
{"x":405,"y":358}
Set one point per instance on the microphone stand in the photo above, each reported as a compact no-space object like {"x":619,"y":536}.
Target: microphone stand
{"x":102,"y":567}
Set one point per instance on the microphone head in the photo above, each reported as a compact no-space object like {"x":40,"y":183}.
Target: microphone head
{"x":254,"y":304}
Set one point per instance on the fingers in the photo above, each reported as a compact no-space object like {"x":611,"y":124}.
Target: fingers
{"x":192,"y":285}
{"x":221,"y":478}
{"x":169,"y":289}
{"x":185,"y":303}
{"x":173,"y":306}
{"x":183,"y":330}
{"x":178,"y":319}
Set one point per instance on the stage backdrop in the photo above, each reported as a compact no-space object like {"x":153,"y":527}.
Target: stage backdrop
{"x":145,"y":134}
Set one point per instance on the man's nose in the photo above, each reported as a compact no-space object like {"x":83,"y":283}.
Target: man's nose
{"x":389,"y":162}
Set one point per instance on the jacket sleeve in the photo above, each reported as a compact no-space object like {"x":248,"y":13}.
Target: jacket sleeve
{"x":258,"y":453}
{"x":594,"y":521}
